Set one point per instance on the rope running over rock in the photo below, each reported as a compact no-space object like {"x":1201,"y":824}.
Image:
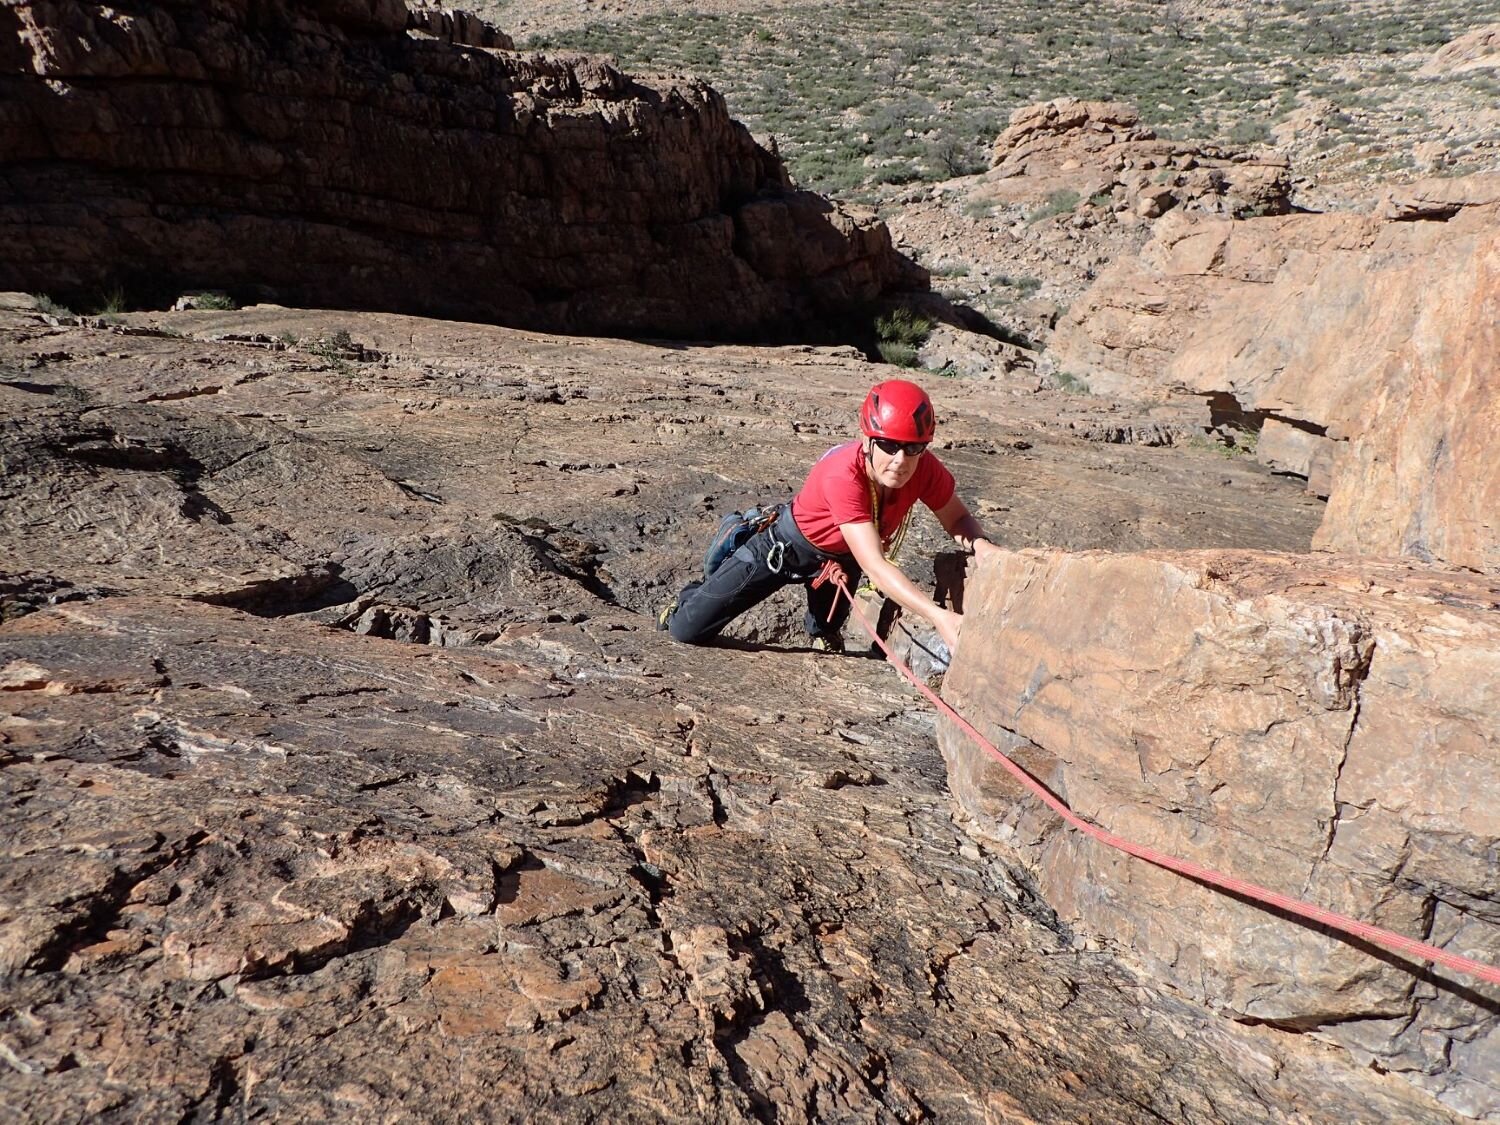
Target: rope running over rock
{"x":1388,"y":939}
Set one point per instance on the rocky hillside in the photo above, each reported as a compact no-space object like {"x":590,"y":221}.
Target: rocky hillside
{"x":902,"y":95}
{"x":323,"y":154}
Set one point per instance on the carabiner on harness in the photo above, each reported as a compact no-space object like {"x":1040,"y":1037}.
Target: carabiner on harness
{"x":776,"y":556}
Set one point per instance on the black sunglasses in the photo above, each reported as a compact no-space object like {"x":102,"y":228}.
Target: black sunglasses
{"x":890,"y":447}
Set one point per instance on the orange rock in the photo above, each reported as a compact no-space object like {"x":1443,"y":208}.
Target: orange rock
{"x":1375,"y":335}
{"x":1320,"y":726}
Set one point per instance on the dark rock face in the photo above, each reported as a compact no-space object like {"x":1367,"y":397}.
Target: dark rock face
{"x":318,"y":153}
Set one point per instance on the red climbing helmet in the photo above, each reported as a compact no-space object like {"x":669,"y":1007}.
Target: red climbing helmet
{"x":899,"y":410}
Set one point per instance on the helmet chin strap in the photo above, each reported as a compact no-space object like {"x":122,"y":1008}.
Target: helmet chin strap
{"x":870,"y":470}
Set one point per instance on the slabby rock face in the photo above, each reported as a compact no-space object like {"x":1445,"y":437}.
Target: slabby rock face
{"x":1327,"y":728}
{"x":261,"y":859}
{"x":322,"y":154}
{"x":1374,"y":336}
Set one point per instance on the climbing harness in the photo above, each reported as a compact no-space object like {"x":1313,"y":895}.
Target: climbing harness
{"x":1352,"y":927}
{"x":734,"y":530}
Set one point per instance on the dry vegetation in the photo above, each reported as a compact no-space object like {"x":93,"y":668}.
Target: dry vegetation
{"x":879,"y":92}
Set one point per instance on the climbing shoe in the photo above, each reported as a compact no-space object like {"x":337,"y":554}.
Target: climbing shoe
{"x":664,"y":615}
{"x":828,"y":642}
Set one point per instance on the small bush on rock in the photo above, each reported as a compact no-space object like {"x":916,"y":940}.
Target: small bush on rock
{"x":899,"y":335}
{"x":47,"y":305}
{"x":1060,"y":202}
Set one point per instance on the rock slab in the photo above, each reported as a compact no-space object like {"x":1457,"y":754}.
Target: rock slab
{"x":1327,"y":728}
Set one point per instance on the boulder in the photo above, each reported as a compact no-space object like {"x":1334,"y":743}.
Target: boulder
{"x":1377,"y":331}
{"x":969,"y":355}
{"x":322,"y":154}
{"x":1328,"y":728}
{"x":1102,"y":150}
{"x":1474,"y":50}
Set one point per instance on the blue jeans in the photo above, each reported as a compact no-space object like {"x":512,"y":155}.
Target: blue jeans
{"x":766,"y":562}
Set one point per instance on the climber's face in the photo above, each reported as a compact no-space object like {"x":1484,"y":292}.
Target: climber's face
{"x":893,"y":463}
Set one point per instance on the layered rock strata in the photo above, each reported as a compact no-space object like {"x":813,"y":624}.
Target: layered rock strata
{"x":319,"y":153}
{"x":455,"y":26}
{"x":1361,"y":347}
{"x":1327,"y":728}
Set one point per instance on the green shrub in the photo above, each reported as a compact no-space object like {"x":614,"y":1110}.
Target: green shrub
{"x":335,"y":349}
{"x":956,"y":156}
{"x":47,"y":305}
{"x":1249,"y":132}
{"x":1240,"y":440}
{"x":111,"y":303}
{"x":1060,"y":202}
{"x":904,"y":326}
{"x":1071,"y":383}
{"x":951,"y":269}
{"x":1024,"y":286}
{"x":215,"y":301}
{"x":899,"y":334}
{"x":899,"y":354}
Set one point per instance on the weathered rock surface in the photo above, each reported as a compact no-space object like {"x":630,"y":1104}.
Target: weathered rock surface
{"x":545,"y":864}
{"x":1101,"y":149}
{"x":1475,"y":50}
{"x":968,"y":355}
{"x":313,"y":874}
{"x":455,"y":26}
{"x":1374,"y":335}
{"x":1328,"y":728}
{"x":220,"y":443}
{"x":319,"y":154}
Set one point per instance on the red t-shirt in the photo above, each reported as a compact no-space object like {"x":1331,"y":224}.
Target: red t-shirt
{"x":837,"y":491}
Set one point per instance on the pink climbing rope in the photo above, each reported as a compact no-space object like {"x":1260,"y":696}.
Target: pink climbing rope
{"x":1376,"y":935}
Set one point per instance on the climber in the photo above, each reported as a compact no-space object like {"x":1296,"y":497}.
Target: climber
{"x":853,"y":508}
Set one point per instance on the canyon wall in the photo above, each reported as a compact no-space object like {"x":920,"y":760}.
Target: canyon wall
{"x":323,"y":154}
